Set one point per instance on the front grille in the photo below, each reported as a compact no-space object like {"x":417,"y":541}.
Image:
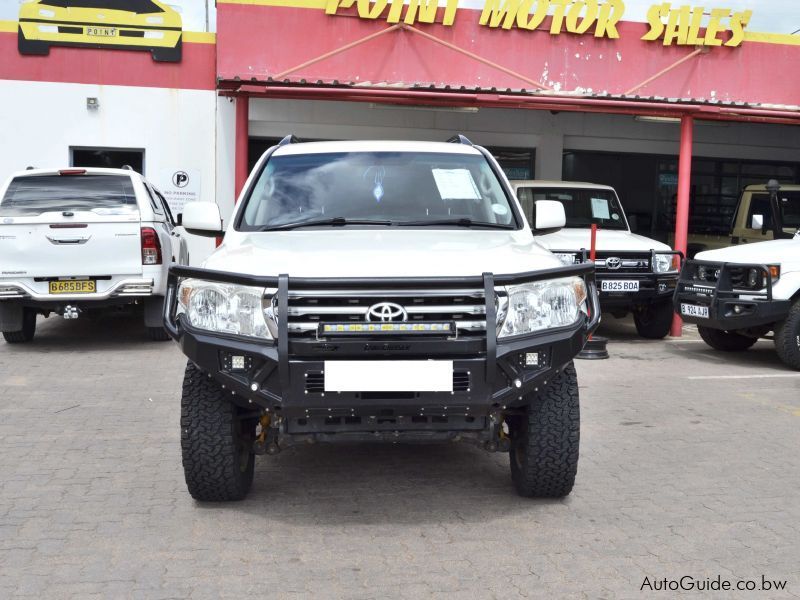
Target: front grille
{"x":315,"y":383}
{"x":628,"y":263}
{"x":460,"y":381}
{"x":464,"y":307}
{"x":738,"y":276}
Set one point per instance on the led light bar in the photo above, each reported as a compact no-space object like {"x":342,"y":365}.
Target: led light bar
{"x":369,"y":328}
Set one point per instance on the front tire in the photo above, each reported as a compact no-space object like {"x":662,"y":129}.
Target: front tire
{"x":26,"y":333}
{"x":653,"y":321}
{"x":787,"y":338}
{"x":545,"y":440}
{"x":216,"y":444}
{"x":726,"y":341}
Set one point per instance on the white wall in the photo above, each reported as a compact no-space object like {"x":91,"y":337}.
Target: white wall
{"x":39,"y":123}
{"x":549,"y":133}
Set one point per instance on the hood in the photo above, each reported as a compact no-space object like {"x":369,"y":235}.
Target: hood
{"x":380,"y":253}
{"x":608,"y":240}
{"x":785,"y":252}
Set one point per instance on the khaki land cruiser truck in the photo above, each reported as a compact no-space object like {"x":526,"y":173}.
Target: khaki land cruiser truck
{"x":754,"y":220}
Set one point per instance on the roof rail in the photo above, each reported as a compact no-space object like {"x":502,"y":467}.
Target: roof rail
{"x":289,"y":139}
{"x":127,"y":167}
{"x":460,"y":139}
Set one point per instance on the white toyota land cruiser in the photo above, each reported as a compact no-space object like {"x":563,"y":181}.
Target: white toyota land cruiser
{"x":379,"y":291}
{"x":739,"y":294}
{"x":634,"y":273}
{"x":83,"y":240}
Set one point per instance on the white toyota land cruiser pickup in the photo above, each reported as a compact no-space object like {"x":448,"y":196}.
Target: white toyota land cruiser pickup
{"x":83,"y":240}
{"x":379,"y":291}
{"x":634,"y":273}
{"x":739,"y":294}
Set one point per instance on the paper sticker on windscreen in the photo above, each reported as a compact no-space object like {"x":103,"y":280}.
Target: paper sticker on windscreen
{"x":456,"y":184}
{"x":600,"y":208}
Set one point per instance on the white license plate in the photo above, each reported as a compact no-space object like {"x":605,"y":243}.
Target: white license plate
{"x":102,"y":31}
{"x":619,"y":285}
{"x":692,"y":310}
{"x":389,"y":376}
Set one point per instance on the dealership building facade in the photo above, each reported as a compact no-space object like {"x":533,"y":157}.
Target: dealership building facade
{"x":678,"y":109}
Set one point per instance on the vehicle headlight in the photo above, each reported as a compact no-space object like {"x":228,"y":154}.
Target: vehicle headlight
{"x":543,"y":305}
{"x":567,"y":258}
{"x":757,"y":278}
{"x":708,"y":273}
{"x":225,"y":308}
{"x":666,"y":263}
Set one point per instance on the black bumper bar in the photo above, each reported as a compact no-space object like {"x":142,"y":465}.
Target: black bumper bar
{"x":286,"y":375}
{"x":729,"y":309}
{"x":653,"y":287}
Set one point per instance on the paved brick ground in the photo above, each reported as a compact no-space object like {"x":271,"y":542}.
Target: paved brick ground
{"x":677,"y":477}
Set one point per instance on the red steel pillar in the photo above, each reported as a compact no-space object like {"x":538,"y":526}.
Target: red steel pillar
{"x":684,"y":190}
{"x":242,"y":119}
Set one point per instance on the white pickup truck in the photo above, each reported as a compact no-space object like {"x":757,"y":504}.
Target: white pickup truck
{"x":379,"y":291}
{"x":634,"y":273}
{"x":79,"y":240}
{"x":739,"y":294}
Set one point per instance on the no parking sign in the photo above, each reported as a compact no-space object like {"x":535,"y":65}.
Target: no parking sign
{"x":180,"y":186}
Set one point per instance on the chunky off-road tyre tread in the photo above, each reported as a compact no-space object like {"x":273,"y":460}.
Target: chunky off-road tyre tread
{"x":27,"y":332}
{"x":654,"y":322}
{"x":787,"y":338}
{"x":210,"y":441}
{"x":157,"y":334}
{"x":545,"y":442}
{"x":726,"y":341}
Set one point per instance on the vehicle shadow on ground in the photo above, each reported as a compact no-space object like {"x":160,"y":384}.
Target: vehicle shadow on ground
{"x":380,"y":483}
{"x":107,"y":332}
{"x":622,"y":330}
{"x":760,"y":357}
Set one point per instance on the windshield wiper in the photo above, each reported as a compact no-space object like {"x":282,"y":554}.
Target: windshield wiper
{"x":463,"y":222}
{"x":335,"y":221}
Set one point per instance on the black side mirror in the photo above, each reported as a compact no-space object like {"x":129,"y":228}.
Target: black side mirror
{"x":179,"y":219}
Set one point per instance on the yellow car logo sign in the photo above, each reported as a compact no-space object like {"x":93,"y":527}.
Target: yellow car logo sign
{"x":148,"y":25}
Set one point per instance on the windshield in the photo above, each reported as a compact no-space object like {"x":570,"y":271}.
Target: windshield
{"x":135,"y":6}
{"x":101,"y":194}
{"x":582,"y":206}
{"x":394,"y":188}
{"x":790,"y":209}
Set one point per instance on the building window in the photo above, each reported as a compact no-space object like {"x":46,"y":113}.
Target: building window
{"x":517,"y":163}
{"x":716,"y":188}
{"x":109,"y":158}
{"x":647,"y":185}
